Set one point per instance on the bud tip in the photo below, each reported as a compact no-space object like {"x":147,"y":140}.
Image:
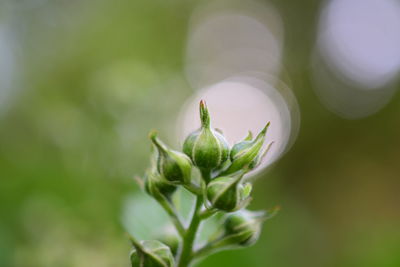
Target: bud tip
{"x":271,"y":212}
{"x":139,"y":181}
{"x":202,"y":104}
{"x":204,"y":115}
{"x":249,"y":136}
{"x":268,"y":148}
{"x":265,"y":128}
{"x":153,"y":135}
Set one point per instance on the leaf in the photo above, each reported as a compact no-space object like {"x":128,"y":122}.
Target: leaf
{"x":184,"y":202}
{"x":145,"y":219}
{"x":142,"y":216}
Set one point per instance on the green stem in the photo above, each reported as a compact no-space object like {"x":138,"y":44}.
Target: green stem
{"x":170,"y":209}
{"x":194,"y":189}
{"x":205,"y":214}
{"x":213,"y":246}
{"x":206,"y":250}
{"x":190,"y":236}
{"x":206,"y":174}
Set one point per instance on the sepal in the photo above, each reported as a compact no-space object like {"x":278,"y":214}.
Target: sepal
{"x":156,"y":186}
{"x":174,"y":166}
{"x":246,"y":152}
{"x":151,"y":253}
{"x":243,"y":228}
{"x":226,"y":193}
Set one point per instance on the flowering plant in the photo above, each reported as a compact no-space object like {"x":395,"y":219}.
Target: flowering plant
{"x":220,"y":191}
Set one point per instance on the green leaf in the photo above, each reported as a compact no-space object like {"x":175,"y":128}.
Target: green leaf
{"x":184,"y":202}
{"x":143,"y":217}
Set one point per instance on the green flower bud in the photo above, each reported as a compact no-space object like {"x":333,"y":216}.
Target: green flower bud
{"x":247,"y":152}
{"x":156,"y":186}
{"x":207,"y":147}
{"x":174,"y":166}
{"x":257,"y":161}
{"x":151,"y":253}
{"x":243,"y":227}
{"x":227,"y":193}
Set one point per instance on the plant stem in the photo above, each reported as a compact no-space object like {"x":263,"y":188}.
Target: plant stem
{"x":206,"y":175}
{"x":170,"y":209}
{"x":210,"y":248}
{"x":207,"y":213}
{"x":206,"y":250}
{"x":194,"y":189}
{"x":190,"y":236}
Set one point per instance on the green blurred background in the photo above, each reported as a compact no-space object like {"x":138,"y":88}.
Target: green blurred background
{"x":90,"y":79}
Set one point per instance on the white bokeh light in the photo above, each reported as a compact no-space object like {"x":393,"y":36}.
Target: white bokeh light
{"x":7,"y":69}
{"x":343,"y":98}
{"x":240,"y":104}
{"x":360,"y":39}
{"x":236,"y":38}
{"x":233,"y":59}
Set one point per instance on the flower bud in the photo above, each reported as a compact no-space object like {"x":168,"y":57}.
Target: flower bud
{"x":247,"y":152}
{"x":257,"y":161}
{"x":156,"y":186}
{"x":207,"y":147}
{"x":151,"y":253}
{"x":174,"y":166}
{"x":243,"y":227}
{"x":227,"y":193}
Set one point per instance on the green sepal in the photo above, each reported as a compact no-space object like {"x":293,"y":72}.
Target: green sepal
{"x":174,"y":166}
{"x":156,"y":186}
{"x":226,"y":193}
{"x":245,"y":152}
{"x":151,"y":253}
{"x":243,"y":228}
{"x":258,"y":160}
{"x":247,"y":188}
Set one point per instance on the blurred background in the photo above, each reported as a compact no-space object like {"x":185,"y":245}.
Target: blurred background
{"x":82,"y":83}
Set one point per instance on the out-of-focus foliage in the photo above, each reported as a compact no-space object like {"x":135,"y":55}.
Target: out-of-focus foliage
{"x":90,"y":78}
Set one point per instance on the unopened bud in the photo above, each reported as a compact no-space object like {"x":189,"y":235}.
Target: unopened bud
{"x":174,"y":166}
{"x":207,"y":147}
{"x":227,"y":193}
{"x":258,"y":160}
{"x":151,"y":253}
{"x":247,"y":152}
{"x":243,"y":227}
{"x":156,"y":186}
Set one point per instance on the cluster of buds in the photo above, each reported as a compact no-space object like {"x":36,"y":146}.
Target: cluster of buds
{"x":221,"y":189}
